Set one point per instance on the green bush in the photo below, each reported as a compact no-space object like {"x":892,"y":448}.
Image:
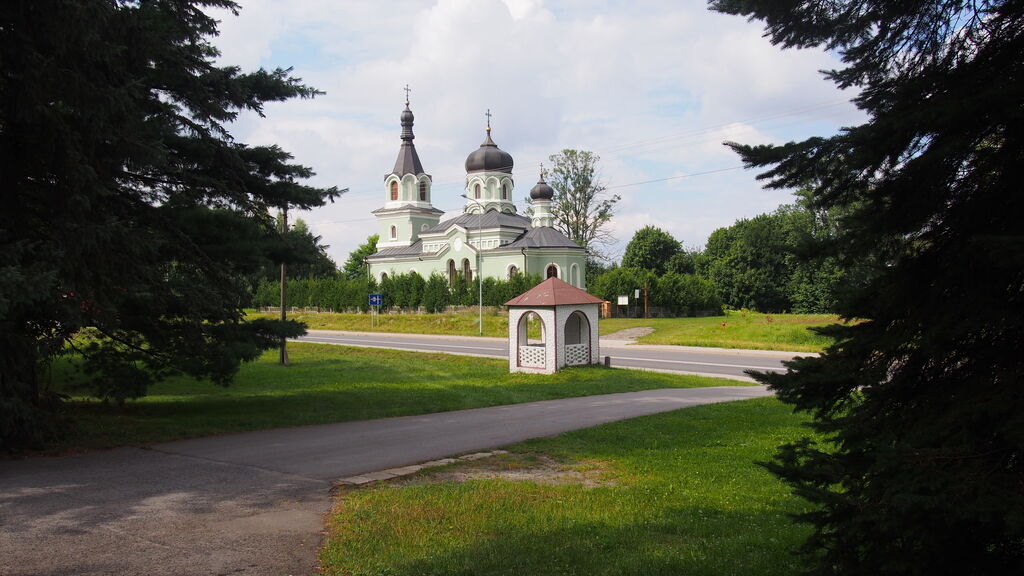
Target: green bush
{"x":686,"y":294}
{"x":399,"y":291}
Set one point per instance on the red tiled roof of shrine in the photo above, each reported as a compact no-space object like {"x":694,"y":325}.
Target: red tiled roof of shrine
{"x":553,"y":292}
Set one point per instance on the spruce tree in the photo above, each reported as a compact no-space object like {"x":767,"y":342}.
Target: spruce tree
{"x":128,"y":207}
{"x":919,"y":463}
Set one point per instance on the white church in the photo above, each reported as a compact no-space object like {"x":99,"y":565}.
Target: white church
{"x":488,"y":238}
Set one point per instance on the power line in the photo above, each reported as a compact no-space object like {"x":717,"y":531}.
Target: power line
{"x":678,"y":177}
{"x":639,"y":183}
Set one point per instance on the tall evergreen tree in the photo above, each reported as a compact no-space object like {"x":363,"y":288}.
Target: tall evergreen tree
{"x":920,"y":407}
{"x":128,"y":207}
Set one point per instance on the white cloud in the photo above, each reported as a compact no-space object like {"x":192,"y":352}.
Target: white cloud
{"x":653,"y":88}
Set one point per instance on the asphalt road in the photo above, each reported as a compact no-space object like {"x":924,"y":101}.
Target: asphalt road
{"x":253,"y":503}
{"x":687,"y":360}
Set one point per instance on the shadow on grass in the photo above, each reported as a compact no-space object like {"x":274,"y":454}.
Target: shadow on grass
{"x":332,"y":384}
{"x":672,"y":541}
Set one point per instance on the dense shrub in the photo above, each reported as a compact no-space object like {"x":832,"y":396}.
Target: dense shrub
{"x":680,"y":294}
{"x":399,"y":292}
{"x":686,"y":294}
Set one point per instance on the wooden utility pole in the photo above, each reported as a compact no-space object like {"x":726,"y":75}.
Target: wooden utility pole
{"x":645,"y":301}
{"x":284,"y":300}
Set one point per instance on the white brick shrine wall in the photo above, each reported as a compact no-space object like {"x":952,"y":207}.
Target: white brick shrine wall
{"x":577,"y":354}
{"x":516,"y":361}
{"x":532,"y":356}
{"x":593,"y":314}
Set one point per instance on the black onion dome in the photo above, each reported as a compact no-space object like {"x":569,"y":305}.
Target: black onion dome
{"x":407,"y":121}
{"x":542,"y":191}
{"x":489,"y":158}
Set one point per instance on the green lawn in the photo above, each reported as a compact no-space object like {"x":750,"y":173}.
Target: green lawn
{"x":737,"y":329}
{"x":675,"y":493}
{"x":465,"y":323}
{"x":741,"y":329}
{"x":335,"y":384}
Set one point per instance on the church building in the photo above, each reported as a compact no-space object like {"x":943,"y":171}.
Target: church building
{"x":488,"y":238}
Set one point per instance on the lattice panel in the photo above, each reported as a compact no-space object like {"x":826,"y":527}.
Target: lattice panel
{"x":576,"y":354}
{"x":532,"y":356}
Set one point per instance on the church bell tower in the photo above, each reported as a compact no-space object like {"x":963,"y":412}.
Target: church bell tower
{"x":407,"y":209}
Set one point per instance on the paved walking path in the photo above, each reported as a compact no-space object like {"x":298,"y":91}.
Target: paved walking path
{"x":254,"y":503}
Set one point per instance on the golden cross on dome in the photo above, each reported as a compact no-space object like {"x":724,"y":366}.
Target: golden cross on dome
{"x":488,"y":114}
{"x":407,"y":90}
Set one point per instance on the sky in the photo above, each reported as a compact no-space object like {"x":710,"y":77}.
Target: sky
{"x":652,"y":87}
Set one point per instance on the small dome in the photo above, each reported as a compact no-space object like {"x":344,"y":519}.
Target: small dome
{"x":489,"y":158}
{"x":407,"y":117}
{"x":542,"y":191}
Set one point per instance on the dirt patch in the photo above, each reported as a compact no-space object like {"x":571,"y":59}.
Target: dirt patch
{"x":629,"y":334}
{"x":539,"y":469}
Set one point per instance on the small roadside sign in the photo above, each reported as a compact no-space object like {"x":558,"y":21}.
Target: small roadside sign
{"x":376,"y":300}
{"x":623,"y":300}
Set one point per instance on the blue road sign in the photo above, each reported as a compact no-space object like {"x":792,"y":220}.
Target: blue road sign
{"x":375,"y":300}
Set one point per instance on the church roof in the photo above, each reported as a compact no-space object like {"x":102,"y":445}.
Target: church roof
{"x":542,"y":191}
{"x":489,"y":158}
{"x":543,"y":237}
{"x":408,"y":161}
{"x":490,"y":219}
{"x":414,"y":249}
{"x":553,"y":292}
{"x":407,"y":207}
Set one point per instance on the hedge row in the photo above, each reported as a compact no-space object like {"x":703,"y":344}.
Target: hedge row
{"x":681,"y":294}
{"x":402,"y":292}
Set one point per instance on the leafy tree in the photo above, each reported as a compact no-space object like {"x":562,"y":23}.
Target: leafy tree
{"x":301,"y":250}
{"x":686,"y":294}
{"x":622,"y":282}
{"x":355,"y":266}
{"x":581,"y":207}
{"x":919,"y":407}
{"x":594,"y":268}
{"x":651,"y":248}
{"x":749,"y":263}
{"x":128,"y":208}
{"x":682,"y":262}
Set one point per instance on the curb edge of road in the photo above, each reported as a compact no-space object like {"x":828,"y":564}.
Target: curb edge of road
{"x":682,"y":372}
{"x":604,"y":343}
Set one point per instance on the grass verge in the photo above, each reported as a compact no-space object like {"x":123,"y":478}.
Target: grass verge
{"x":674,"y":493}
{"x":334,"y":384}
{"x":464,"y":323}
{"x":737,"y":329}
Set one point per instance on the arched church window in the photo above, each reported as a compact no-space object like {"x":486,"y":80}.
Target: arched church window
{"x":512,"y":271}
{"x":394,"y":232}
{"x":467,"y":271}
{"x":504,"y":191}
{"x":423,"y":191}
{"x":451,"y":272}
{"x":394,"y":190}
{"x":476,"y":192}
{"x":552,"y":271}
